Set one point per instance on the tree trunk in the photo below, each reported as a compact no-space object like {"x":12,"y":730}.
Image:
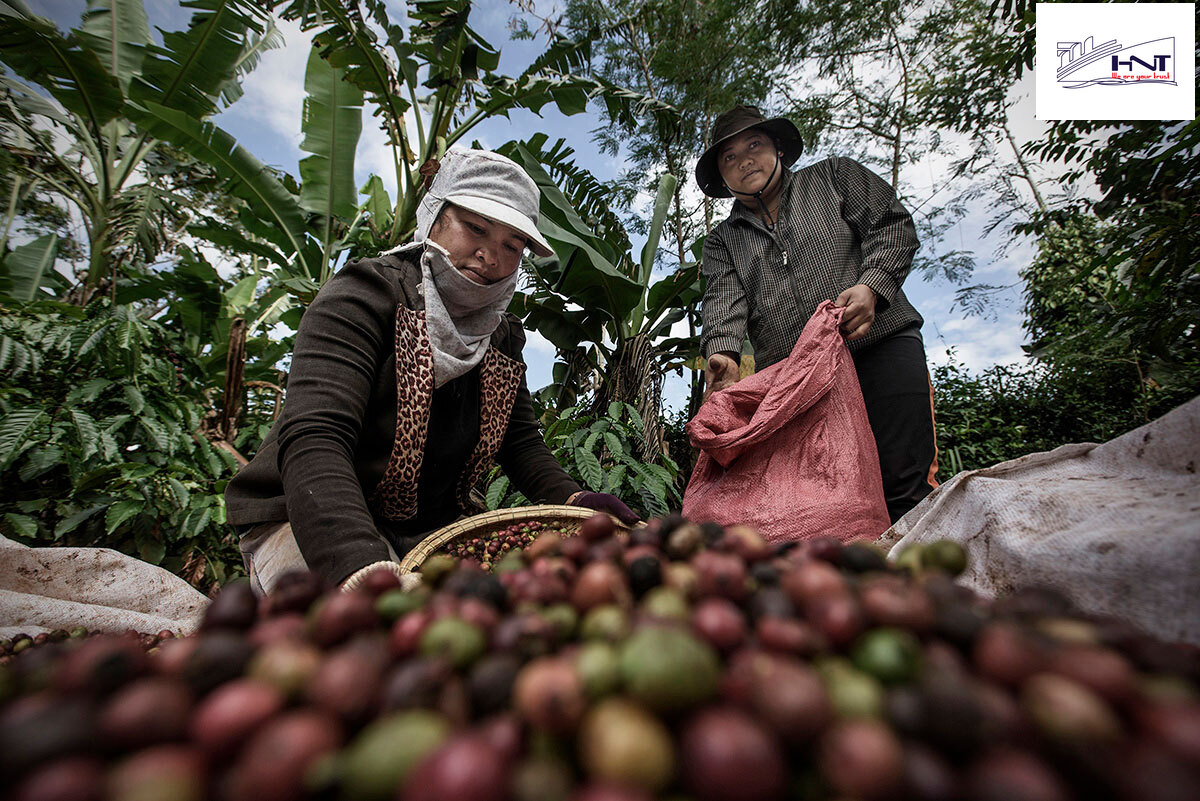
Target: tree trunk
{"x":235,"y":369}
{"x":633,"y":377}
{"x":1026,"y":172}
{"x":578,"y":371}
{"x":696,"y":393}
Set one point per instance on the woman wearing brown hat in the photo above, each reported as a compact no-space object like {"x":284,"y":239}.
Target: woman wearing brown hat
{"x":830,"y":231}
{"x":406,"y":385}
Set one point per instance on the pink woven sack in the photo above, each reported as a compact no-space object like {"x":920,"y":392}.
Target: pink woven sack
{"x":789,"y":450}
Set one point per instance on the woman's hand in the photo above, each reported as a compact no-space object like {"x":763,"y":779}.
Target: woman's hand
{"x":859,"y":301}
{"x":603,"y":502}
{"x":721,"y":371}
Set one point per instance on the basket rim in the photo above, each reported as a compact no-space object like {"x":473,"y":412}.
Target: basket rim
{"x":426,"y":547}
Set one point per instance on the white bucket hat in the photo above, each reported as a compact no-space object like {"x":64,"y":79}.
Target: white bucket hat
{"x":490,"y":185}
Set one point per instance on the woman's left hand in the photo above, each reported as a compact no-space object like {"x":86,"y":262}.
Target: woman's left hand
{"x":604,"y":502}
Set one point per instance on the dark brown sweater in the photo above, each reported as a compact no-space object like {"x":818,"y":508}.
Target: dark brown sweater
{"x":330,"y":446}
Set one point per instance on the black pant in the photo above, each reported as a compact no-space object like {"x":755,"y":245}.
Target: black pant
{"x":899,"y":398}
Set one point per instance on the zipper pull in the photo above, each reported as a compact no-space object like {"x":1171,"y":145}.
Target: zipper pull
{"x":784,"y":257}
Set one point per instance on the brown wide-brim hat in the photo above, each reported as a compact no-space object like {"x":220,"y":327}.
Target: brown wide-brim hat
{"x":732,"y":123}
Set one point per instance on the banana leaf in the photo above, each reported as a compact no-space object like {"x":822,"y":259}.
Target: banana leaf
{"x":586,"y":270}
{"x":256,"y":45}
{"x":679,"y":289}
{"x":332,"y":123}
{"x":190,"y":69}
{"x":662,"y":204}
{"x":117,"y":30}
{"x":245,"y":176}
{"x":34,"y":49}
{"x":549,"y":316}
{"x":29,"y":267}
{"x":354,"y":48}
{"x":377,"y":205}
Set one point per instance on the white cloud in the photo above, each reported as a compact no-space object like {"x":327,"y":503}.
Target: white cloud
{"x":976,"y":343}
{"x":274,"y":92}
{"x":538,"y":344}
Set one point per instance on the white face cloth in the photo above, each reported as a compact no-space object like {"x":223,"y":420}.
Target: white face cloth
{"x":459,"y":313}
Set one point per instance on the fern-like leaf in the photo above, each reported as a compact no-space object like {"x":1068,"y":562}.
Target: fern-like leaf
{"x":86,"y":430}
{"x":16,"y":427}
{"x":496,"y":492}
{"x":589,"y":468}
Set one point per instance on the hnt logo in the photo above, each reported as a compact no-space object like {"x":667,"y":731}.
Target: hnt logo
{"x":1083,"y":63}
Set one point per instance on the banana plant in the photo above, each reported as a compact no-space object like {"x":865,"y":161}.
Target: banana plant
{"x":79,"y":100}
{"x":441,"y":75}
{"x":596,"y":296}
{"x":300,"y":228}
{"x":598,"y":451}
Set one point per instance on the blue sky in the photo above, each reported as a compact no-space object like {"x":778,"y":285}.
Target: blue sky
{"x":267,"y":122}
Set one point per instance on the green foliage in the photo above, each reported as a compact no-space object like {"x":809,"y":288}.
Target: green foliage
{"x":701,"y":58}
{"x":964,"y":87}
{"x":94,"y":86}
{"x":99,"y":442}
{"x":1005,"y":412}
{"x":116,"y":30}
{"x":1124,"y":291}
{"x":108,"y":121}
{"x":620,"y":334}
{"x":443,"y":74}
{"x":277,"y":217}
{"x":678,"y":446}
{"x":1068,"y":286}
{"x":332,"y":122}
{"x":25,"y":270}
{"x":64,"y":65}
{"x":979,"y":419}
{"x":194,"y":69}
{"x":1149,"y":253}
{"x":598,"y":451}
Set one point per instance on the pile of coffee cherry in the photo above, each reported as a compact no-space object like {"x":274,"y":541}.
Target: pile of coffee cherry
{"x":488,"y":549}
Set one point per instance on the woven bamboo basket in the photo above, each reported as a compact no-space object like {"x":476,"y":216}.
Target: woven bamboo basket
{"x":567,"y":517}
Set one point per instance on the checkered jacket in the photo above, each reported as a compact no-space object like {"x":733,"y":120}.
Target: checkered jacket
{"x":839,"y":225}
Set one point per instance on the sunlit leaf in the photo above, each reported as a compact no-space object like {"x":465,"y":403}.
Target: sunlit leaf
{"x":331,"y":122}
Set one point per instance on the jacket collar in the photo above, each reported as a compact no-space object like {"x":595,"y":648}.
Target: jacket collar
{"x":405,"y":259}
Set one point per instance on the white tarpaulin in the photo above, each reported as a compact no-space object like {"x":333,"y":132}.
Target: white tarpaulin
{"x":1113,"y":527}
{"x":42,"y":589}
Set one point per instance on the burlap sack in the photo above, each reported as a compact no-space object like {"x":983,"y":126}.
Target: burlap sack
{"x":42,"y":589}
{"x":1114,"y":527}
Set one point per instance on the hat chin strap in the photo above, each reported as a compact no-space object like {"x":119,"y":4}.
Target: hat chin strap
{"x":766,"y":215}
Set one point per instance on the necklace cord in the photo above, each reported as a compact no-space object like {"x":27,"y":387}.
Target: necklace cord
{"x":766,"y":214}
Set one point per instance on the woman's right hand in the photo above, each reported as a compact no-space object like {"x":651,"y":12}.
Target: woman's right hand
{"x":721,"y":371}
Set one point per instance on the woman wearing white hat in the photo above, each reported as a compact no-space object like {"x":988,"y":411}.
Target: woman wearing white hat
{"x":405,"y":386}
